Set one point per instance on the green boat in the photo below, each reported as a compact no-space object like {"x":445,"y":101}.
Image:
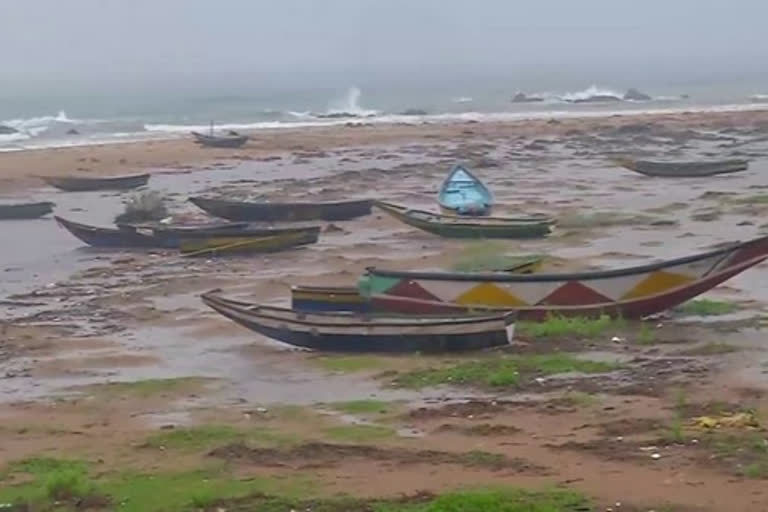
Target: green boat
{"x":450,"y":226}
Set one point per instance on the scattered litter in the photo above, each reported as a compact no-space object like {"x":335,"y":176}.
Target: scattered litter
{"x":745,"y":420}
{"x":655,"y":456}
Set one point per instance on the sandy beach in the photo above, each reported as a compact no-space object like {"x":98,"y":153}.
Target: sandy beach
{"x":111,"y":366}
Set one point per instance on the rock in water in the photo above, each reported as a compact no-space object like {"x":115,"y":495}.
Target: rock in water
{"x":521,"y":97}
{"x":598,"y":98}
{"x":72,"y":131}
{"x":635,"y":95}
{"x":7,"y":130}
{"x":414,"y":112}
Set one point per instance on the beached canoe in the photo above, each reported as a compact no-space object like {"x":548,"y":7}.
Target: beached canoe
{"x":271,"y":212}
{"x":348,"y":298}
{"x":170,"y":237}
{"x":234,"y":244}
{"x":352,"y":332}
{"x":82,"y":184}
{"x":451,"y":226}
{"x":220,"y":141}
{"x":25,"y":210}
{"x":629,"y":292}
{"x":685,"y":169}
{"x":462,"y":193}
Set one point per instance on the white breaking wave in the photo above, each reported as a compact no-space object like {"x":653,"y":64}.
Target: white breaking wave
{"x":36,"y":125}
{"x":349,"y":105}
{"x":588,"y":93}
{"x":759,"y":98}
{"x":463,"y":99}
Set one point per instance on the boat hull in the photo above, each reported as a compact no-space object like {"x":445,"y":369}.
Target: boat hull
{"x":340,"y":332}
{"x":216,"y":141}
{"x":582,"y":291}
{"x":286,"y":212}
{"x":685,"y":169}
{"x":471,"y":228}
{"x":235,"y":245}
{"x":25,"y":211}
{"x":463,"y":193}
{"x":79,"y":184}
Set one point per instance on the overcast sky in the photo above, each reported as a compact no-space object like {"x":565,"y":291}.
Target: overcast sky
{"x":301,"y":42}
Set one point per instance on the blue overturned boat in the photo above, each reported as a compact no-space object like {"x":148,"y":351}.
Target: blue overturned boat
{"x":462,"y":193}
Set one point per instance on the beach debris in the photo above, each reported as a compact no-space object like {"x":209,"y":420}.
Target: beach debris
{"x":745,"y":420}
{"x":144,"y":207}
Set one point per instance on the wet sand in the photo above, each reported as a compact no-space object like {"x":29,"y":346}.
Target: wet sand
{"x":79,"y":324}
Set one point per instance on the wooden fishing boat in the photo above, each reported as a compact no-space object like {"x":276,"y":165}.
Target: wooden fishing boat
{"x":630,"y":292}
{"x":182,"y":229}
{"x":83,"y":184}
{"x":168,"y":238}
{"x":231,"y":245}
{"x":684,"y":169}
{"x":351,"y":332}
{"x":25,"y":210}
{"x":220,"y":141}
{"x":270,"y":212}
{"x":348,"y":298}
{"x":451,"y":226}
{"x":462,"y":193}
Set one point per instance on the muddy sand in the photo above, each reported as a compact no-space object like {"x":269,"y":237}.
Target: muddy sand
{"x":113,"y":370}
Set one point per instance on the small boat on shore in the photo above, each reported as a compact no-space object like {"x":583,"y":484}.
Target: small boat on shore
{"x":20,"y":211}
{"x":630,"y":292}
{"x":167,"y":237}
{"x":462,"y":193}
{"x":353,"y":332}
{"x":451,"y":226}
{"x":220,"y":141}
{"x":271,"y":212}
{"x":684,"y":169}
{"x":84,"y":184}
{"x":238,"y":245}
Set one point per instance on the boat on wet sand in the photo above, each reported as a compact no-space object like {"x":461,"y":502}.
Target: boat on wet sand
{"x":451,"y":226}
{"x":462,"y":193}
{"x":220,"y":141}
{"x":629,"y":292}
{"x":348,"y":298}
{"x":234,"y":244}
{"x":353,"y":332}
{"x":273,"y":212}
{"x":83,"y":184}
{"x":25,"y":210}
{"x":684,"y":169}
{"x":168,"y":237}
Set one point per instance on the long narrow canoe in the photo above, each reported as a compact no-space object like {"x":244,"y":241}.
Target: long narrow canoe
{"x":132,"y":237}
{"x":270,"y":212}
{"x":462,"y":193}
{"x":685,"y":169}
{"x":451,"y":226}
{"x":81,"y":184}
{"x":631,"y":292}
{"x":231,"y":245}
{"x":350,"y":332}
{"x":220,"y":141}
{"x":348,"y":298}
{"x":25,"y":210}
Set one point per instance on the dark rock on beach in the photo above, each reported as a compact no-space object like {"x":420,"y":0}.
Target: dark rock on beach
{"x":7,"y":130}
{"x":635,"y":95}
{"x":521,"y":97}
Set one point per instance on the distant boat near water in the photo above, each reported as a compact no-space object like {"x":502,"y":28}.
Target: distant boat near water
{"x":25,"y":210}
{"x":684,"y":169}
{"x":462,"y":193}
{"x":84,"y":184}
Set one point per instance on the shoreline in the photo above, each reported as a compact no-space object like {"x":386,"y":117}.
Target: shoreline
{"x":19,"y":168}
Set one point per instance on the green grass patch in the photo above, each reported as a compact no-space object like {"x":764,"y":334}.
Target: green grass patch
{"x":362,"y":407}
{"x":494,"y":500}
{"x":489,"y":257}
{"x":47,"y":481}
{"x":559,"y":326}
{"x":350,"y":364}
{"x":709,"y":349}
{"x":150,"y":387}
{"x":707,"y":307}
{"x":359,"y":433}
{"x":754,"y":199}
{"x":499,"y":372}
{"x":205,"y":437}
{"x":646,"y":335}
{"x":676,"y":431}
{"x":579,"y":399}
